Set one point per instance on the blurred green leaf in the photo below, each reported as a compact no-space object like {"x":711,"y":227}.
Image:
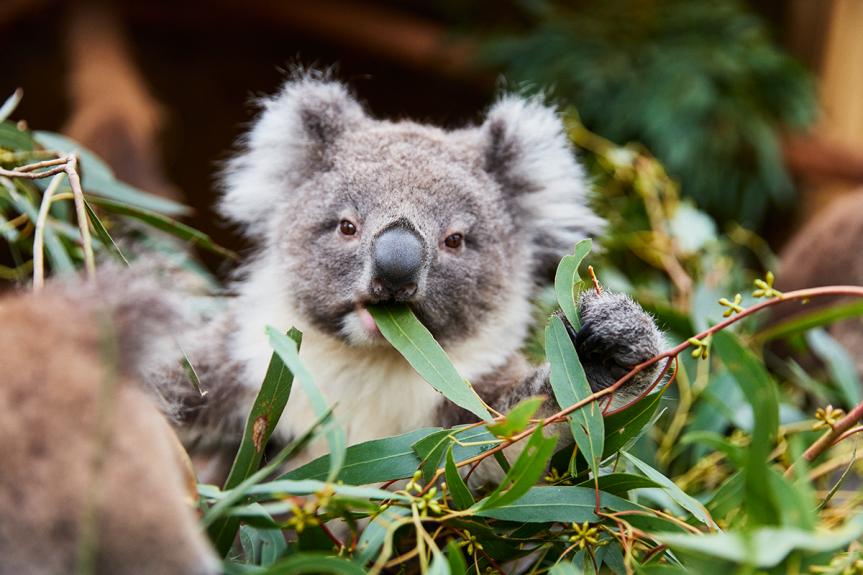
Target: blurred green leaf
{"x":98,"y":178}
{"x":843,"y":372}
{"x":761,"y":394}
{"x":164,"y":223}
{"x":14,"y":139}
{"x":764,"y":547}
{"x":404,"y":331}
{"x":806,"y":321}
{"x":315,"y":563}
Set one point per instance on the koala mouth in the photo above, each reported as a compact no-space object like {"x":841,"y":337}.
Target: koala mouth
{"x":367,"y":322}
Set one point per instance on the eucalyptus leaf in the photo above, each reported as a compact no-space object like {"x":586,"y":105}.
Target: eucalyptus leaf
{"x":288,"y":352}
{"x":566,"y":281}
{"x":569,"y":383}
{"x":686,"y":501}
{"x":98,"y":178}
{"x":525,"y":472}
{"x":371,"y":461}
{"x":461,"y":495}
{"x":565,"y":504}
{"x":762,"y":396}
{"x":843,"y":372}
{"x":404,"y":331}
{"x":764,"y":547}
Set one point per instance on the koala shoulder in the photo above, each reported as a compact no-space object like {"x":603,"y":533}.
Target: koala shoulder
{"x":77,"y":430}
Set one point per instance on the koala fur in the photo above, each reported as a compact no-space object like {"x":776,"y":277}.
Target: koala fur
{"x":510,"y":188}
{"x":826,"y":251}
{"x":89,"y":462}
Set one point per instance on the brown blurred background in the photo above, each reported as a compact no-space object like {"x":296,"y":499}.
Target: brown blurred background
{"x":161,"y":89}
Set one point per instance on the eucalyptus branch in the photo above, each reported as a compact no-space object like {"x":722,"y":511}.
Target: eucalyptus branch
{"x":840,"y":430}
{"x":804,"y":294}
{"x":63,"y":164}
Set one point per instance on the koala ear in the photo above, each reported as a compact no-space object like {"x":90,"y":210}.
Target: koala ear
{"x":292,"y":138}
{"x":526,"y":150}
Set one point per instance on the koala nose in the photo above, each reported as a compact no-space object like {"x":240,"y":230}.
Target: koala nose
{"x":398,"y":258}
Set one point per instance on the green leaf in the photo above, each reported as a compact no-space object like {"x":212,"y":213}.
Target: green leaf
{"x":104,"y":236}
{"x":163,"y":223}
{"x":288,"y":352}
{"x":806,"y":321}
{"x":371,"y":461}
{"x":263,"y":417}
{"x":457,"y":565}
{"x":375,"y":534}
{"x":566,"y":281}
{"x":315,"y":563}
{"x":14,"y":139}
{"x":627,"y":424}
{"x":518,"y":418}
{"x":524,"y":474}
{"x":569,"y":383}
{"x":404,"y":331}
{"x":686,"y":501}
{"x":471,"y":441}
{"x":279,"y":487}
{"x":565,"y":568}
{"x":98,"y":178}
{"x":262,"y":546}
{"x":565,"y":504}
{"x":843,"y":372}
{"x":764,"y":547}
{"x":461,"y":495}
{"x":620,"y":483}
{"x":761,"y":394}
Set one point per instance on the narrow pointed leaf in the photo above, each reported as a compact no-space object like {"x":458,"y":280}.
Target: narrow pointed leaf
{"x":404,"y":331}
{"x":461,"y":495}
{"x":288,"y":352}
{"x":566,"y":281}
{"x":569,"y":383}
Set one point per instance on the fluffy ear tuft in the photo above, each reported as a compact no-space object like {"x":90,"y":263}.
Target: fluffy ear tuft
{"x":528,"y":153}
{"x":292,"y":138}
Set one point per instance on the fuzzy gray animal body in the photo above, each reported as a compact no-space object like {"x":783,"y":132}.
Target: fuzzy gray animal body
{"x":348,"y":211}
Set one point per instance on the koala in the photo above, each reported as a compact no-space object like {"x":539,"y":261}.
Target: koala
{"x":348,"y":211}
{"x":826,"y":251}
{"x":93,"y":478}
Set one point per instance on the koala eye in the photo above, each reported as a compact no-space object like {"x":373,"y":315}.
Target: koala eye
{"x":454,"y":241}
{"x":347,"y":228}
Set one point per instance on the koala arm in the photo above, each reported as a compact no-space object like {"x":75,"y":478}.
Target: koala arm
{"x":615,"y":336}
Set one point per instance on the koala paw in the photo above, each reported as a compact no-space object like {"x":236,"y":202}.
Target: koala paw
{"x":615,"y":336}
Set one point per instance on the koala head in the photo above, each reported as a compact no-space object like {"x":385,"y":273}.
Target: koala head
{"x":354,"y":210}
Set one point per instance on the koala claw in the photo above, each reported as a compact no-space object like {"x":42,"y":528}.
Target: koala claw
{"x":615,"y":336}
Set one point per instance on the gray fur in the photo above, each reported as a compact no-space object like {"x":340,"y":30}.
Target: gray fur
{"x":510,"y":185}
